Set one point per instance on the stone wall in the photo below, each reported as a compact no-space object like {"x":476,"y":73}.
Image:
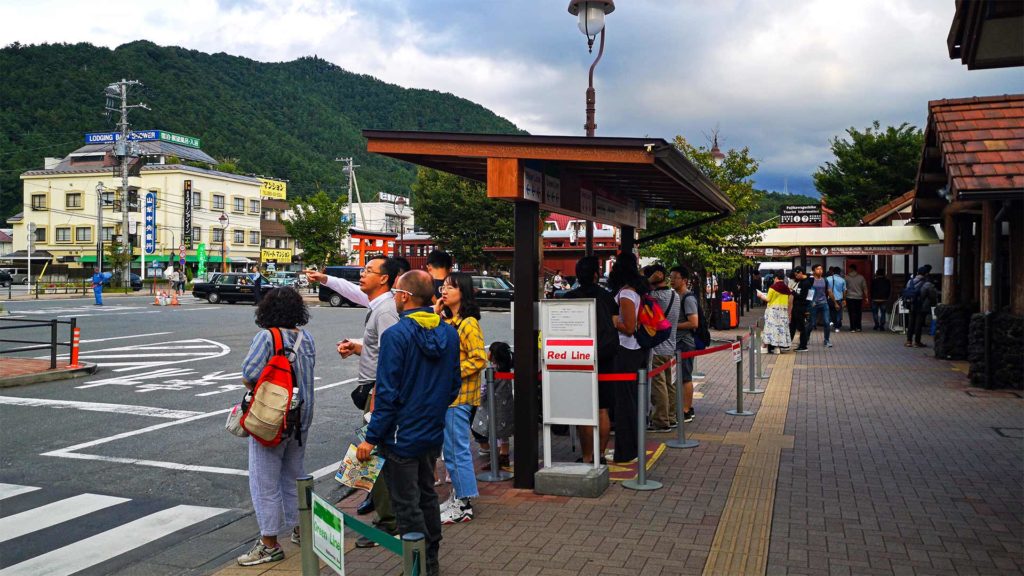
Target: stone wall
{"x":952,"y":325}
{"x":1007,"y":354}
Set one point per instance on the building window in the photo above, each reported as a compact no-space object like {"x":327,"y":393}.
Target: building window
{"x":73,"y":200}
{"x":108,"y":199}
{"x":239,"y":237}
{"x":108,"y":233}
{"x":218,"y":235}
{"x":197,"y":200}
{"x":83,"y":234}
{"x":254,"y":206}
{"x":63,"y":235}
{"x":197,"y":234}
{"x":238,"y":204}
{"x":40,"y":234}
{"x":218,"y":201}
{"x":254,"y":238}
{"x":269,"y":215}
{"x":39,"y":201}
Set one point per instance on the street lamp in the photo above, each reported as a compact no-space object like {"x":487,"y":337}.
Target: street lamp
{"x":224,"y":221}
{"x":591,"y":23}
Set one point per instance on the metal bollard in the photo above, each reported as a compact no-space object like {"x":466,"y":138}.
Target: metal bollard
{"x":739,"y":411}
{"x":680,"y":441}
{"x":760,"y":356}
{"x":752,"y":388}
{"x":641,"y":482}
{"x":310,"y":564}
{"x":495,"y":474}
{"x":414,"y":554}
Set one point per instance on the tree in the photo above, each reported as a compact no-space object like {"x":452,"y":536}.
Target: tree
{"x":870,"y":168}
{"x":717,"y":246}
{"x":316,"y":225}
{"x":458,"y":214}
{"x":115,"y":261}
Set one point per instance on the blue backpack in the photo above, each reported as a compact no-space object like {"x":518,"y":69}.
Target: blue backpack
{"x":911,"y":291}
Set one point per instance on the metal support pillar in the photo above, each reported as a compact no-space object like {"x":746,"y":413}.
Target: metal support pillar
{"x":526,"y":267}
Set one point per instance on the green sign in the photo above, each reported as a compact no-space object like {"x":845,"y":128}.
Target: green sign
{"x":173,"y":138}
{"x":328,"y":534}
{"x":201,"y":255}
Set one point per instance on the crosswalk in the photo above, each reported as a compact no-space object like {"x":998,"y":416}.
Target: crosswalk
{"x":46,"y":533}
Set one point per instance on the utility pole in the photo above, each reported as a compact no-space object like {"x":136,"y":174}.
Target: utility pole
{"x":353,"y":186}
{"x":125,"y":150}
{"x":99,"y":226}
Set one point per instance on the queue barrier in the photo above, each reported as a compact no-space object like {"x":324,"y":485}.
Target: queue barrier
{"x":411,"y":546}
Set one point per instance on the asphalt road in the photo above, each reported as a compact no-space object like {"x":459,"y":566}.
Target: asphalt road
{"x":148,"y":428}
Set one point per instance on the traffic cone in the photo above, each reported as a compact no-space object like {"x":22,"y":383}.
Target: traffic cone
{"x":156,"y":298}
{"x":174,"y":298}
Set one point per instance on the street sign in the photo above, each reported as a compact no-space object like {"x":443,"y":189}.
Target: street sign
{"x":186,"y":215}
{"x":150,"y":222}
{"x":737,"y":352}
{"x":328,"y":534}
{"x":800,"y":214}
{"x":201,"y":257}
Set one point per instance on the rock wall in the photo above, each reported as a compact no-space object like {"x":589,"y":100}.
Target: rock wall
{"x":1007,"y":354}
{"x":952,"y":326}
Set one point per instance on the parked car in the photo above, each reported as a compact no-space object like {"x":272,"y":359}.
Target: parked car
{"x":493,"y":291}
{"x":18,"y":275}
{"x":232,"y":287}
{"x":136,"y":282}
{"x":350,"y":273}
{"x":6,"y":279}
{"x":296,"y":279}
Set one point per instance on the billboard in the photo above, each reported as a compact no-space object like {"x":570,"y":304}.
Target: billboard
{"x":273,"y":189}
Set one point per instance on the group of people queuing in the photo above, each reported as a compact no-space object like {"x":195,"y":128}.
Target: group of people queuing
{"x":420,"y":361}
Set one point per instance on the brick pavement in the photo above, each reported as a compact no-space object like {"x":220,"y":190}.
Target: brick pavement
{"x":873,"y":458}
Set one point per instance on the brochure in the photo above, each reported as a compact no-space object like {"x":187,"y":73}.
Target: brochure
{"x":358,"y":474}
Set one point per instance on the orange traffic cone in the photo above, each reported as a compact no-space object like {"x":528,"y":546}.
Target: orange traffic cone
{"x":174,"y":298}
{"x":156,"y":298}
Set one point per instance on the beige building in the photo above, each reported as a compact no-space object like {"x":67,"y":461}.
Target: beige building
{"x":62,"y":201}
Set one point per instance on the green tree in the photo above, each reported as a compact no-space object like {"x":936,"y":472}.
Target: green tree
{"x":717,"y":246}
{"x":458,"y":215}
{"x":870,"y":168}
{"x":316,"y":225}
{"x":115,"y":261}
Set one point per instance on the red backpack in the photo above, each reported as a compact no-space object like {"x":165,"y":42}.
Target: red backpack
{"x":270,"y":416}
{"x":653,"y":327}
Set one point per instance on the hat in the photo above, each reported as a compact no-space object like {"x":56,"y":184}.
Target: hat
{"x":798,"y":270}
{"x":924,"y":270}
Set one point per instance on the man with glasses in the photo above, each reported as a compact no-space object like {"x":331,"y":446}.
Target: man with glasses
{"x":374,"y":292}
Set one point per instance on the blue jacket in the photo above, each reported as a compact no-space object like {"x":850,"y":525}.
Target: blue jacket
{"x":417,"y":378}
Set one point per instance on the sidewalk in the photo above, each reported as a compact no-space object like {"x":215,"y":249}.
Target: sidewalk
{"x":23,"y":371}
{"x":866,"y":458}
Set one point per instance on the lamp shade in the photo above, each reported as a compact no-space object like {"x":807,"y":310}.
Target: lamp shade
{"x":591,"y":14}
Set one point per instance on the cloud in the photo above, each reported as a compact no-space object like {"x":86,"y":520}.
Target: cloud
{"x":779,"y":77}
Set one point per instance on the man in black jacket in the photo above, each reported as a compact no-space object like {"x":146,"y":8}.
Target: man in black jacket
{"x":881,"y":291}
{"x":801,"y":307}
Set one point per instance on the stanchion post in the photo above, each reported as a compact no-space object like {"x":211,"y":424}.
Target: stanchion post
{"x":680,"y":441}
{"x":739,"y":411}
{"x":760,"y":354}
{"x":752,"y":387}
{"x":76,"y":334}
{"x":495,"y":474}
{"x":310,"y":565}
{"x":641,"y":482}
{"x":414,"y":554}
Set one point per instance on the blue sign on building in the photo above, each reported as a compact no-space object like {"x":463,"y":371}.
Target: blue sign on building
{"x":150,"y":222}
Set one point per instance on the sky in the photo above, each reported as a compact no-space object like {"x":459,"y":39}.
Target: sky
{"x":780,"y":77}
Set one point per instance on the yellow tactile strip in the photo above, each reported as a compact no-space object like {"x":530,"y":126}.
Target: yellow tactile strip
{"x":744,"y":530}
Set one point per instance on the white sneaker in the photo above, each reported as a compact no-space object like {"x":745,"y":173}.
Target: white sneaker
{"x":460,"y":511}
{"x":261,"y":554}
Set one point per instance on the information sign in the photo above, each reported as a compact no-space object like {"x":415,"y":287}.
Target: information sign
{"x":737,"y":352}
{"x":279,"y":255}
{"x":800,"y":214}
{"x":328,"y":534}
{"x":201,"y":257}
{"x":150,"y":233}
{"x":186,"y":215}
{"x":533,"y":182}
{"x":552,"y":191}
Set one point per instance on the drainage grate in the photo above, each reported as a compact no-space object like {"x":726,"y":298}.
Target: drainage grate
{"x":1017,"y":433}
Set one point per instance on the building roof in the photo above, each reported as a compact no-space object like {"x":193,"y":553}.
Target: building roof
{"x":987,"y":33}
{"x":896,"y":205}
{"x":5,"y":237}
{"x":147,"y":168}
{"x":152,"y":148}
{"x":848,"y":236}
{"x":974,"y":149}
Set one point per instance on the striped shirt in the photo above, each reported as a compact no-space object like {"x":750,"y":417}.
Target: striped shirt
{"x":472,"y":359}
{"x":262,"y":348}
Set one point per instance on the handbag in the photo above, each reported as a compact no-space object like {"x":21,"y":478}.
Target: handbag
{"x":360,"y":394}
{"x":234,"y":422}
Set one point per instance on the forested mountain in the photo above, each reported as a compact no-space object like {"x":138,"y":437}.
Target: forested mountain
{"x":287,"y":120}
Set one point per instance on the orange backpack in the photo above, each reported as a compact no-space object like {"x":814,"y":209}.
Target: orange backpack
{"x":270,"y":416}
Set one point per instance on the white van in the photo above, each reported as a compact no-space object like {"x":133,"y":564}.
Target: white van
{"x":18,"y":275}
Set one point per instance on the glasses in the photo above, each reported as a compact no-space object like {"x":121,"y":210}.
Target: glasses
{"x":447,"y":287}
{"x":395,"y":291}
{"x":369,"y":270}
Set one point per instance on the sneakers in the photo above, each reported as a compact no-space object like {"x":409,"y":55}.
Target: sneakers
{"x":458,"y":510}
{"x":688,"y":416}
{"x":296,"y":539}
{"x":261,"y":554}
{"x":801,"y":349}
{"x":828,"y":344}
{"x":659,"y":429}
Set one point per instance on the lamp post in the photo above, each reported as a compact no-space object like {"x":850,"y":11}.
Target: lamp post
{"x":591,"y":14}
{"x":224,"y":221}
{"x":31,"y":238}
{"x":99,"y":225}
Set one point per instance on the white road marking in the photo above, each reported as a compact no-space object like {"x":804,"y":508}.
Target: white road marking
{"x":155,"y":464}
{"x":106,"y":545}
{"x":12,"y":490}
{"x":154,"y":354}
{"x":124,"y":337}
{"x":53,"y":514}
{"x":329,"y":469}
{"x":99,"y":407}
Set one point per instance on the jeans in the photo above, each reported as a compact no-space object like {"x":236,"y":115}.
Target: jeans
{"x":856,"y":311}
{"x":97,"y":293}
{"x":457,"y":457}
{"x":837,"y":314}
{"x":878,"y":313}
{"x":411,"y":484}
{"x":812,"y":323}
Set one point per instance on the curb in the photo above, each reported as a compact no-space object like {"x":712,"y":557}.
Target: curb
{"x":48,"y":376}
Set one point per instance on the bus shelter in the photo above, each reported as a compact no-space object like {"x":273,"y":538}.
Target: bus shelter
{"x":609,"y":180}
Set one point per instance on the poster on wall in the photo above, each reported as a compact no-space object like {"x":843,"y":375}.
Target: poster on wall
{"x":552,"y":191}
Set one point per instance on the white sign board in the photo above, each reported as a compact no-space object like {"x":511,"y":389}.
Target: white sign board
{"x":328,"y":534}
{"x":987,"y":279}
{"x":947,"y":266}
{"x":737,"y":352}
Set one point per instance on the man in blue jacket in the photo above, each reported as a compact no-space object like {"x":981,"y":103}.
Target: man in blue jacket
{"x":417,"y":379}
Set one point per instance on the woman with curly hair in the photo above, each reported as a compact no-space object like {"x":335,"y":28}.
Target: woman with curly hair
{"x":459,"y":308}
{"x":629,"y":285}
{"x":272,"y":471}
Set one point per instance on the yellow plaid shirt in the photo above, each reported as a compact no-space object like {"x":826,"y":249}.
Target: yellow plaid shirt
{"x":472,"y":359}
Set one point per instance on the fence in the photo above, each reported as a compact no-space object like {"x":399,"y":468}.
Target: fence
{"x":51,"y":344}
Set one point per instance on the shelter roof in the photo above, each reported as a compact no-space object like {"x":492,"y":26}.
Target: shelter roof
{"x":648,"y":170}
{"x":894,"y":206}
{"x":913,"y":235}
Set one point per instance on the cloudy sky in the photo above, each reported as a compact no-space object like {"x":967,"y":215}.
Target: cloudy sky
{"x":781,"y":77}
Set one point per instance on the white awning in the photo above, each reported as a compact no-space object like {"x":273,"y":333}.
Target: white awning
{"x":915,"y":235}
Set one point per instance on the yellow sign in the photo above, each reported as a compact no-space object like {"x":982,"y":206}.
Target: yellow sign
{"x":273,"y":189}
{"x":281,"y":256}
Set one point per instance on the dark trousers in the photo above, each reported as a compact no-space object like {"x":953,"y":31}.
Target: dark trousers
{"x":878,"y":313}
{"x":411,"y":484}
{"x":855,"y":309}
{"x":797,"y":323}
{"x":627,"y":362}
{"x":915,"y":323}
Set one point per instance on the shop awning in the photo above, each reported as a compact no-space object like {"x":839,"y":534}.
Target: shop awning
{"x":191,"y":259}
{"x":842,"y":241}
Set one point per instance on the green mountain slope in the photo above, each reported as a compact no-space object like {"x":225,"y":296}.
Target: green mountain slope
{"x":287,"y":120}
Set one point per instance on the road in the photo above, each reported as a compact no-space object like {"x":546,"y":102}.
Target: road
{"x":117,"y":469}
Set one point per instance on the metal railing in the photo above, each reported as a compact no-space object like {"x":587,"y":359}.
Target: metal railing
{"x":51,"y":344}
